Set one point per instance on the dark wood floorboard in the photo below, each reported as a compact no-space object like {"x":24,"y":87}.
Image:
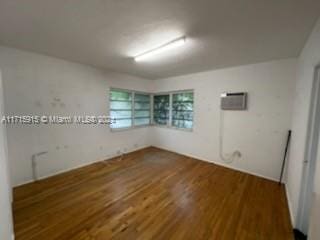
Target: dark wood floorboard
{"x":152,"y":194}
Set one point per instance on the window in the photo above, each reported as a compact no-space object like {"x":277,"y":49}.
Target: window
{"x":141,"y":109}
{"x":161,"y":109}
{"x":133,"y":109}
{"x":174,"y":109}
{"x":121,"y":108}
{"x":182,"y":110}
{"x":129,"y":108}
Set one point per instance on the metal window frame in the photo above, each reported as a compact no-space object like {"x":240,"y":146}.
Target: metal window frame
{"x":133,"y":107}
{"x":133,"y":93}
{"x":160,"y":94}
{"x":151,"y":122}
{"x":169,"y":124}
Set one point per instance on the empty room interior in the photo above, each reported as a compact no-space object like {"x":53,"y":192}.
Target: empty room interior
{"x":158,"y":119}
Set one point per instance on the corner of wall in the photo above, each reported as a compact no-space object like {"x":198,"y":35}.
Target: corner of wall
{"x":293,"y":222}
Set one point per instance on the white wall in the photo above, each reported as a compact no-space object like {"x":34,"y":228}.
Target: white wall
{"x":35,"y":85}
{"x":6,"y":229}
{"x":309,"y":58}
{"x":40,"y":85}
{"x":259,"y":133}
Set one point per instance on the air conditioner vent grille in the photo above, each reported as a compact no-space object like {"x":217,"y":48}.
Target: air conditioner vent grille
{"x":234,"y":101}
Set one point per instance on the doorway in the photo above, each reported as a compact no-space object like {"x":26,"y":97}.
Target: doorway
{"x":309,"y":164}
{"x":6,"y":228}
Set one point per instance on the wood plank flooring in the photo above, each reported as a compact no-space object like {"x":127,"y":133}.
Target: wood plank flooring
{"x":152,"y":194}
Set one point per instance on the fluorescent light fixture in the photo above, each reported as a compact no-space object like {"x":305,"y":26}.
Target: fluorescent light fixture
{"x":163,"y":48}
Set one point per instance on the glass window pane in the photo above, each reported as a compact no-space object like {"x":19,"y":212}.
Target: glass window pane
{"x":142,"y":113}
{"x":120,"y":114}
{"x":182,"y":110}
{"x":161,"y":114}
{"x":141,"y":109}
{"x":120,"y":95}
{"x":121,"y":108}
{"x":182,"y":106}
{"x":141,"y":97}
{"x":182,"y":124}
{"x":161,"y":102}
{"x":120,"y":105}
{"x":161,"y":109}
{"x":141,"y":121}
{"x":142,"y":105}
{"x":122,"y":123}
{"x":183,"y":97}
{"x":182,"y":115}
{"x":161,"y":121}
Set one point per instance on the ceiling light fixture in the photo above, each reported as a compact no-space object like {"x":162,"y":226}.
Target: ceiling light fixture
{"x":163,"y":48}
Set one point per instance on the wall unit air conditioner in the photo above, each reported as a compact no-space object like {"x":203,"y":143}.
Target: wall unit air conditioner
{"x":234,"y":101}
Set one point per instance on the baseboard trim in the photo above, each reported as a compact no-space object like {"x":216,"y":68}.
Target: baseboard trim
{"x":289,"y":206}
{"x":183,"y":154}
{"x":144,"y":147}
{"x":79,"y":166}
{"x":219,"y":164}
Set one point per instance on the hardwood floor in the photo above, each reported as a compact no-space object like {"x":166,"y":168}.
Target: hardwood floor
{"x":152,"y":194}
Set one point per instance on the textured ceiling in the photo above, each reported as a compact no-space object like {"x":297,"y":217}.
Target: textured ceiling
{"x":107,"y":33}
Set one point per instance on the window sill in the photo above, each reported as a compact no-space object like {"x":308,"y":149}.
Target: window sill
{"x":128,"y":128}
{"x":150,"y":125}
{"x":174,"y":128}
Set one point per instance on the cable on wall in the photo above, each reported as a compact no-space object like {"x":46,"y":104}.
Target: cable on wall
{"x":236,"y":154}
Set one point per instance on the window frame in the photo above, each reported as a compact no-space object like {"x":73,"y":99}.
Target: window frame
{"x":152,"y":123}
{"x":161,"y":94}
{"x":133,"y":93}
{"x":169,"y":125}
{"x":133,"y":108}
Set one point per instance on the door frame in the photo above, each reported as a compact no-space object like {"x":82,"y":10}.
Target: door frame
{"x":6,"y":230}
{"x":310,"y":156}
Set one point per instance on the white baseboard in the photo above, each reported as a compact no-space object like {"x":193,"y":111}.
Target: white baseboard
{"x":245,"y":171}
{"x":22,"y":183}
{"x":78,"y":166}
{"x":290,"y":206}
{"x":221,"y":164}
{"x":188,"y":155}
